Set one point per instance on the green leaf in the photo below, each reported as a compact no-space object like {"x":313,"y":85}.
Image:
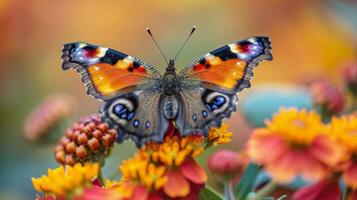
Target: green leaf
{"x":246,"y":183}
{"x":208,"y":194}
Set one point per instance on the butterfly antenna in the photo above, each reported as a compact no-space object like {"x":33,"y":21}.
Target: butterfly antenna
{"x":157,"y":45}
{"x":183,"y":45}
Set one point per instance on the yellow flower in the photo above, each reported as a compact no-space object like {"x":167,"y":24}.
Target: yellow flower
{"x":294,"y":143}
{"x":171,"y":153}
{"x":297,"y":126}
{"x":153,"y":177}
{"x":344,"y":130}
{"x":66,"y":179}
{"x":150,"y":151}
{"x":219,"y":135}
{"x":167,"y":167}
{"x":192,"y":144}
{"x":130,"y":168}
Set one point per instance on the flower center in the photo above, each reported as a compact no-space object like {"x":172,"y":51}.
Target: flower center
{"x":299,"y":123}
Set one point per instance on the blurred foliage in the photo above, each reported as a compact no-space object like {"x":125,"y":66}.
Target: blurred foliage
{"x":311,"y":39}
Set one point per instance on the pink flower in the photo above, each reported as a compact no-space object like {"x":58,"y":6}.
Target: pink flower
{"x":226,"y":164}
{"x":349,"y":76}
{"x":327,"y":96}
{"x":46,"y":116}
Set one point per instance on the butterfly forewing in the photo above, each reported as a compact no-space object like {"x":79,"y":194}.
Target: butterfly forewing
{"x":105,"y":72}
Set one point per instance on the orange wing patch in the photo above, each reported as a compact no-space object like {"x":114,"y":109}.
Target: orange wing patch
{"x":223,"y":73}
{"x":108,"y":79}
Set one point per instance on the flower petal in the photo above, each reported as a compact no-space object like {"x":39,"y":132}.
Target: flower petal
{"x":294,"y":163}
{"x":353,"y":195}
{"x":154,"y":196}
{"x":350,"y":175}
{"x":326,"y":150}
{"x":264,"y":146}
{"x":139,"y":193}
{"x":325,"y":189}
{"x":193,"y":172}
{"x":177,"y":185}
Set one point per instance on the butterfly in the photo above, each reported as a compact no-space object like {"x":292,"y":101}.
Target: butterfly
{"x":140,"y":102}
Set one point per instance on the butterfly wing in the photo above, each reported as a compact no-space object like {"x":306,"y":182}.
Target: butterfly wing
{"x":208,"y":85}
{"x":137,"y":115}
{"x":202,"y":109}
{"x":105,"y":72}
{"x":130,"y":89}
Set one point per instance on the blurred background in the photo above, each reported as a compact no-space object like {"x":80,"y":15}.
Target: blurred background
{"x":311,"y":40}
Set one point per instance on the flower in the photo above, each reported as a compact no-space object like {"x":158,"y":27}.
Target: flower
{"x":167,"y":170}
{"x":294,"y":136}
{"x":349,"y":76}
{"x":327,"y":97}
{"x":66,"y":180}
{"x":88,"y":140}
{"x":219,"y":135}
{"x":113,"y":190}
{"x":45,"y":117}
{"x":324,"y":189}
{"x":157,"y":171}
{"x":226,"y":164}
{"x":344,"y":130}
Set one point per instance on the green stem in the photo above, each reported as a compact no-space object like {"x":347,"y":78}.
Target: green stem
{"x":208,"y":145}
{"x":266,"y":191}
{"x":247,"y":181}
{"x":100,"y":176}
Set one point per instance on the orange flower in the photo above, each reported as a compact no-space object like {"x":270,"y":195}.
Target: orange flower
{"x":344,"y":130}
{"x":295,"y":142}
{"x":219,"y":135}
{"x":87,"y":140}
{"x":179,"y":180}
{"x":167,"y":170}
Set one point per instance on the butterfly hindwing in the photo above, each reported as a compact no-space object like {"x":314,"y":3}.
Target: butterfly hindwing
{"x":105,"y":72}
{"x":202,"y":109}
{"x":137,"y":114}
{"x":209,"y":85}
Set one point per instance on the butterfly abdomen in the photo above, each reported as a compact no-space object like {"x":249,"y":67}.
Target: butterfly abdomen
{"x":170,"y":107}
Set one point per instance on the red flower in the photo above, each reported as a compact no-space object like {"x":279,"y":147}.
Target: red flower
{"x":326,"y":189}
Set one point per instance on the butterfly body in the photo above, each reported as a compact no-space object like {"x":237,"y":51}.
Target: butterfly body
{"x":140,"y":102}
